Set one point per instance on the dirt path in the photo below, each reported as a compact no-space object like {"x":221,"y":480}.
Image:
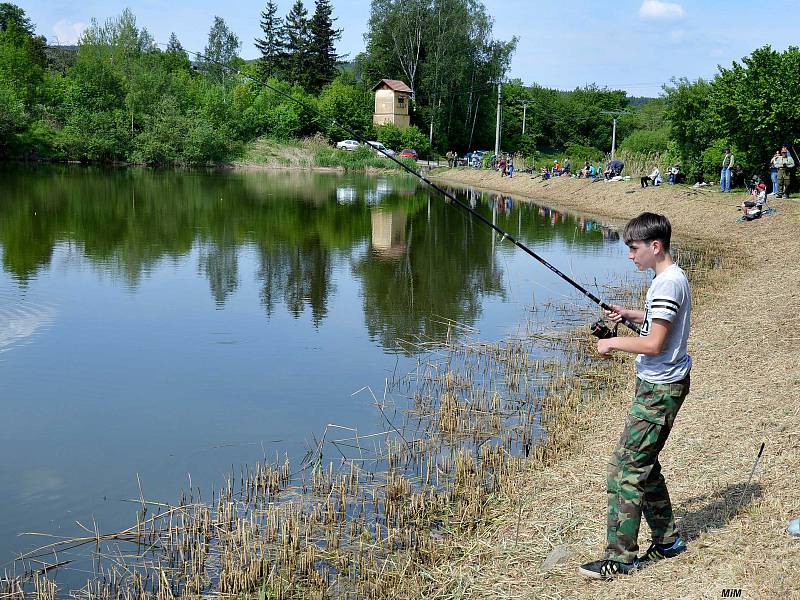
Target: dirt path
{"x":745,"y":345}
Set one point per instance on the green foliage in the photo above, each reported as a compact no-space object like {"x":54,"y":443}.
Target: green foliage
{"x":13,"y":15}
{"x":580,"y":154}
{"x":691,"y":120}
{"x":391,"y":136}
{"x":21,"y":64}
{"x":322,"y":56}
{"x":756,"y":103}
{"x":220,"y":51}
{"x":350,"y":104}
{"x":13,"y":119}
{"x":359,"y":159}
{"x":647,"y":141}
{"x":295,"y":63}
{"x":711,"y":159}
{"x":444,"y":51}
{"x":412,"y":137}
{"x":120,"y":98}
{"x":554,"y":119}
{"x":751,"y":105}
{"x":272,"y":45}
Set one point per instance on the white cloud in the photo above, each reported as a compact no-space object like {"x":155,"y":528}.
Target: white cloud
{"x":657,"y":10}
{"x":68,"y":33}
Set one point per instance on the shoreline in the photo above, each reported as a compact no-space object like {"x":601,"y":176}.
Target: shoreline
{"x":734,"y":405}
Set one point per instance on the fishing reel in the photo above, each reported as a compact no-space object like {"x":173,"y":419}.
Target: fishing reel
{"x":602,"y":331}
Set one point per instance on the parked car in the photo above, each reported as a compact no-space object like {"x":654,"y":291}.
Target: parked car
{"x":378,"y":147}
{"x":408,"y":153}
{"x":347,"y":145}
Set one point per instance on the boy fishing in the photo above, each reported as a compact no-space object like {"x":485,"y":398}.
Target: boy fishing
{"x":635,"y":482}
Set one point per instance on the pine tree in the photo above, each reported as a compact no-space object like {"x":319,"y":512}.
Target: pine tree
{"x":296,"y":34}
{"x":176,"y":56}
{"x":174,"y":45}
{"x":321,"y":48}
{"x":272,"y":46}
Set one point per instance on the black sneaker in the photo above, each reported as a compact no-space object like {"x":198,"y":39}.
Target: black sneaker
{"x":607,"y":569}
{"x":661,"y":551}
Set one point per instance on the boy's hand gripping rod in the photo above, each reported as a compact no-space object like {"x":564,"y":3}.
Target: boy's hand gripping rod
{"x":505,"y":235}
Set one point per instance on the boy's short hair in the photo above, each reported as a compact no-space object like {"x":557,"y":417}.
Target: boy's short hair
{"x":648,"y":227}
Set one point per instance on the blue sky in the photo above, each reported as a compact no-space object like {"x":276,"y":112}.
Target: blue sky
{"x":635,"y":45}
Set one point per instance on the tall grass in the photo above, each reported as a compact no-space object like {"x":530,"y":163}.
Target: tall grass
{"x":314,"y":152}
{"x":351,"y":160}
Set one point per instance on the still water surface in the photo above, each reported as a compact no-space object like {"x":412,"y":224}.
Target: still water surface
{"x":173,"y":324}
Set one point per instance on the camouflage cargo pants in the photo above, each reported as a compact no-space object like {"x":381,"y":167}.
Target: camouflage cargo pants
{"x":635,"y":482}
{"x":784,"y":181}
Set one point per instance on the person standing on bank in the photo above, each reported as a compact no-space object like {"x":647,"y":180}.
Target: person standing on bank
{"x":635,"y":483}
{"x":784,"y":162}
{"x":725,"y":174}
{"x":773,"y":172}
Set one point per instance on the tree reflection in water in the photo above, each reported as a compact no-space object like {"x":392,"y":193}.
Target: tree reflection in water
{"x":415,"y":258}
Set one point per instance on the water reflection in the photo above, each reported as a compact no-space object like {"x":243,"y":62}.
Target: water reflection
{"x":167,"y":311}
{"x":389,"y":232}
{"x":426,"y":258}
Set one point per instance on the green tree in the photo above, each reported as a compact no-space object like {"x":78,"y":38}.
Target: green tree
{"x":11,"y":13}
{"x":755,"y":103}
{"x":296,"y":33}
{"x":395,"y":40}
{"x":13,"y":119}
{"x":445,"y":52}
{"x":348,"y":104}
{"x":692,"y":121}
{"x":322,"y":57}
{"x":176,"y":57}
{"x":272,"y":45}
{"x":221,"y":51}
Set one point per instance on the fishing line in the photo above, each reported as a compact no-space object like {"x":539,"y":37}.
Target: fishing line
{"x":504,"y":234}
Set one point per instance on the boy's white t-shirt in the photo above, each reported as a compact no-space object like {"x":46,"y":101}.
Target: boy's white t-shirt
{"x":669,"y":299}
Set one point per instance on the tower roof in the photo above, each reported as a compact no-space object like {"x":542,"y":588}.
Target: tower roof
{"x":393,"y":84}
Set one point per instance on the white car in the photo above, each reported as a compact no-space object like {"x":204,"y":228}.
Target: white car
{"x":378,"y":147}
{"x":347,"y":145}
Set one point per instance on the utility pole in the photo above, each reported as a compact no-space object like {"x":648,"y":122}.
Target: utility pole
{"x":497,"y":127}
{"x":614,"y":114}
{"x":613,"y":138}
{"x":433,"y":118}
{"x":524,"y":114}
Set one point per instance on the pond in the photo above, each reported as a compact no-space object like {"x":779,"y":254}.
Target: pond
{"x":158,"y":329}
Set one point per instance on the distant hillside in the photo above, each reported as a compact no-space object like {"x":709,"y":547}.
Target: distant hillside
{"x":639,"y":100}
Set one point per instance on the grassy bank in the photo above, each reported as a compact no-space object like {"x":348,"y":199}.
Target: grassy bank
{"x":746,"y":370}
{"x":310,"y":153}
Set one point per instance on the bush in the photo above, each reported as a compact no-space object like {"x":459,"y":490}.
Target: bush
{"x":204,"y":144}
{"x":395,"y":138}
{"x":412,"y":137}
{"x":644,"y":141}
{"x":711,"y":159}
{"x":580,"y":154}
{"x":350,"y":104}
{"x":13,"y":119}
{"x":390,"y":136}
{"x":358,"y":159}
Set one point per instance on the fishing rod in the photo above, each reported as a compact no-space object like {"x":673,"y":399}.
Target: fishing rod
{"x":599,"y":329}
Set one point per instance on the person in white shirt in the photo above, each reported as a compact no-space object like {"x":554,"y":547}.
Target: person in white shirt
{"x":752,"y":208}
{"x":654,"y":178}
{"x":636,"y":485}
